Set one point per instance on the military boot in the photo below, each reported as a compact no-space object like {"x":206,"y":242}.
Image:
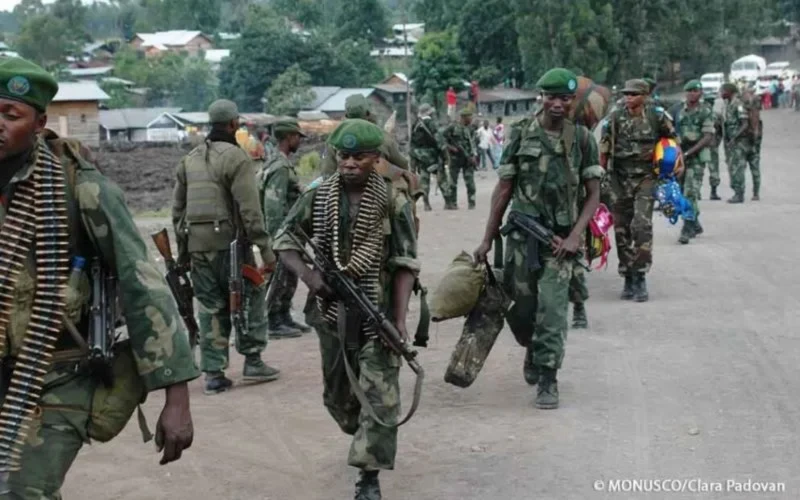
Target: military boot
{"x":471,"y":205}
{"x":278,"y":328}
{"x":216,"y":382}
{"x":756,"y":197}
{"x":737,"y":198}
{"x":289,"y":320}
{"x":367,"y":486}
{"x":547,"y":392}
{"x":687,"y":233}
{"x":579,"y":319}
{"x":697,"y":228}
{"x":529,"y":370}
{"x":640,"y":288}
{"x":627,"y":291}
{"x":450,"y":206}
{"x":255,"y":370}
{"x":714,"y":195}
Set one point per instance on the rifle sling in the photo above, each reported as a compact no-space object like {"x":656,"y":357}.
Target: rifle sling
{"x":355,"y":385}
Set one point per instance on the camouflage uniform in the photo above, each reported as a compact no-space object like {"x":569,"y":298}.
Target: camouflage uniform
{"x":100,"y":226}
{"x":428,"y":150}
{"x":537,"y":163}
{"x":738,"y":151}
{"x":281,"y":189}
{"x":377,"y":367}
{"x":461,"y":137}
{"x":215,"y":194}
{"x":633,"y":181}
{"x":713,"y":167}
{"x":693,"y":124}
{"x":752,"y":102}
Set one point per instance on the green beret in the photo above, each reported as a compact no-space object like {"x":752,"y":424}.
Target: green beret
{"x":286,"y":127}
{"x":693,"y":85}
{"x":558,"y":81}
{"x":355,"y":135}
{"x":729,"y":87}
{"x":356,"y":106}
{"x":222,"y":111}
{"x":24,"y":81}
{"x":466,"y":112}
{"x":636,"y":87}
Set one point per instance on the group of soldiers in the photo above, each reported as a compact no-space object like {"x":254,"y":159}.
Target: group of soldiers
{"x":64,"y":381}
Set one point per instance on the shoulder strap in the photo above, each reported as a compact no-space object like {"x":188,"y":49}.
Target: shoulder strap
{"x":568,"y":134}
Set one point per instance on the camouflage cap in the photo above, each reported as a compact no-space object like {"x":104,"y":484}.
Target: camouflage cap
{"x":356,"y":106}
{"x":24,"y":81}
{"x":729,"y":87}
{"x":355,"y":135}
{"x":286,"y":127}
{"x":558,"y":81}
{"x":636,"y":87}
{"x":693,"y":85}
{"x":222,"y":111}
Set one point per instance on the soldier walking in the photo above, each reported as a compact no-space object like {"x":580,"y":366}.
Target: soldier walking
{"x":64,"y":380}
{"x":546,"y":161}
{"x":713,"y":167}
{"x":752,"y":105}
{"x":738,"y":132}
{"x":215,"y":202}
{"x":463,"y":158}
{"x":695,"y":125}
{"x":627,"y":143}
{"x":366,"y":227}
{"x":429,"y":155}
{"x":280,"y":189}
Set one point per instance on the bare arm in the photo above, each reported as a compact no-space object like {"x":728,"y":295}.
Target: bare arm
{"x":402,"y":287}
{"x":501,"y":197}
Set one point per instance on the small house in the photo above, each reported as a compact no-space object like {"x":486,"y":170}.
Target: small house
{"x":503,"y":101}
{"x":393,"y":96}
{"x":191,"y":42}
{"x":74,"y":111}
{"x":141,"y":125}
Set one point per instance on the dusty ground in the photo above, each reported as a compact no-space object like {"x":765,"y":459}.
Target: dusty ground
{"x":700,"y":383}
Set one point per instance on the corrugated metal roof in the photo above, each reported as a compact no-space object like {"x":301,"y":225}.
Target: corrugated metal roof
{"x":335,"y":103}
{"x":98,"y":71}
{"x":392,"y":88}
{"x":321,"y":94}
{"x":195,"y":118}
{"x":499,"y":94}
{"x":174,"y":38}
{"x":79,"y":91}
{"x":217,"y":55}
{"x":131,"y":118}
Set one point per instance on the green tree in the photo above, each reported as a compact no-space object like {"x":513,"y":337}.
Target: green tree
{"x":437,"y":66}
{"x":309,"y":13}
{"x":119,"y":96}
{"x":358,"y":19}
{"x":289,"y":92}
{"x":439,"y":15}
{"x":45,"y":39}
{"x":197,"y":87}
{"x":569,"y":34}
{"x":489,"y":42}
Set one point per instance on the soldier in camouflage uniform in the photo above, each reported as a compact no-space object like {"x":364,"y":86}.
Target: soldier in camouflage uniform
{"x":752,"y":105}
{"x":357,"y":106}
{"x":463,"y":157}
{"x":280,"y":189}
{"x":545,"y":163}
{"x":100,"y":226}
{"x":713,"y":167}
{"x":738,"y":139}
{"x":346,"y":196}
{"x":695,"y":124}
{"x":634,"y":131}
{"x":215,"y":200}
{"x":429,"y":155}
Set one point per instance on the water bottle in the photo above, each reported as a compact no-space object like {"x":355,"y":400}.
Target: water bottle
{"x":74,"y":281}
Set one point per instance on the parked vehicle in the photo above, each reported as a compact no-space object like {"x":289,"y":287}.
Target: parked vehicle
{"x":748,"y":67}
{"x":712,"y":83}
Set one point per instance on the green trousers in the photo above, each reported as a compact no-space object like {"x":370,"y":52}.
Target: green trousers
{"x":209,"y":275}
{"x":693,"y":182}
{"x":281,"y":291}
{"x":541,"y":301}
{"x":465,"y":168}
{"x":739,"y":156}
{"x":55,"y":437}
{"x":377,"y":368}
{"x":713,"y":167}
{"x":633,"y":222}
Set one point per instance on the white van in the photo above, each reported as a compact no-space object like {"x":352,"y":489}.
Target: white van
{"x":712,"y":83}
{"x":748,"y":67}
{"x":776,"y":69}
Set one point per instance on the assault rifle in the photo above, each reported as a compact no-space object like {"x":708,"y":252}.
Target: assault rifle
{"x":536,"y":233}
{"x":179,"y":284}
{"x":239,"y":299}
{"x":354,"y":298}
{"x":104,"y":317}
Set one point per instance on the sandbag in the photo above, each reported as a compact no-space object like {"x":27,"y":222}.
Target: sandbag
{"x":458,"y":291}
{"x":480,"y":332}
{"x":591,"y":103}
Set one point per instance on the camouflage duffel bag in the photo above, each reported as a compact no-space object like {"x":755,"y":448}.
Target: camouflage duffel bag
{"x":483,"y":325}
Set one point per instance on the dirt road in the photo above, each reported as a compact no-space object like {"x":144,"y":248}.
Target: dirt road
{"x":700,"y":384}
